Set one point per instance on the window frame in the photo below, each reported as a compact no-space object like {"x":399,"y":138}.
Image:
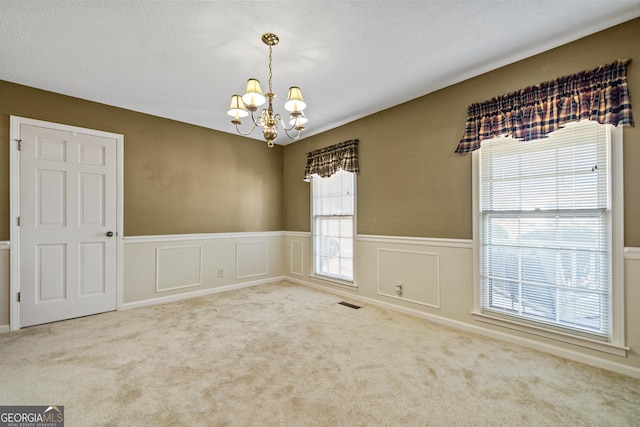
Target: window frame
{"x":326,"y":278}
{"x":616,"y":343}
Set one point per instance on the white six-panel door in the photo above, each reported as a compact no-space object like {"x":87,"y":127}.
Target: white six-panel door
{"x":68,"y":222}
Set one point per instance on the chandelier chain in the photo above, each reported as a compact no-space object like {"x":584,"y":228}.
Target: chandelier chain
{"x":270,"y":69}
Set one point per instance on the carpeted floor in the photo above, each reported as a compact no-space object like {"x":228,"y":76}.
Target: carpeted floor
{"x":287,"y":355}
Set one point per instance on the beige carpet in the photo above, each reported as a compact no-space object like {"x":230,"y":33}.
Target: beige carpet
{"x":287,"y":355}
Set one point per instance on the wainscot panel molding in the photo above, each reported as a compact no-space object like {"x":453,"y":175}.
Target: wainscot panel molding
{"x":4,"y":244}
{"x":252,"y":259}
{"x":298,"y":251}
{"x":297,"y":257}
{"x":415,"y":271}
{"x":178,"y":267}
{"x":160,"y":268}
{"x":412,"y":276}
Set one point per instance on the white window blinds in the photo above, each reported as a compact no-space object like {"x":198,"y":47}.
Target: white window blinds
{"x":546,"y":229}
{"x":333,"y":225}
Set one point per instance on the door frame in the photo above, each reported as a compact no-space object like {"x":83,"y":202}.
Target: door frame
{"x":14,"y":203}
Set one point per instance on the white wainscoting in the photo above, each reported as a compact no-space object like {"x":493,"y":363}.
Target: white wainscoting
{"x":252,"y":259}
{"x":291,"y":252}
{"x":178,"y":267}
{"x":159,"y":269}
{"x":412,"y":276}
{"x":4,"y":286}
{"x":297,"y":258}
{"x":383,"y":260}
{"x":420,"y":266}
{"x":632,"y":253}
{"x":298,"y":253}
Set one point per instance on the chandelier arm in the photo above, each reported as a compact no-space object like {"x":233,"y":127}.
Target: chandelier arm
{"x":278,"y":117}
{"x":253,"y":127}
{"x":286,"y":130}
{"x":256,"y":123}
{"x":245,"y":133}
{"x":293,"y":137}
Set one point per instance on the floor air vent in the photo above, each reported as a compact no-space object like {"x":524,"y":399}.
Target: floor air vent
{"x":346,"y":304}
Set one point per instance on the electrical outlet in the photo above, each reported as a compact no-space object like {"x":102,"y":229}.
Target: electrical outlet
{"x":220,"y":273}
{"x":399,"y":289}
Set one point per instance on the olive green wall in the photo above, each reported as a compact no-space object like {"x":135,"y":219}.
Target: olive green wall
{"x":411,"y":182}
{"x":178,"y":178}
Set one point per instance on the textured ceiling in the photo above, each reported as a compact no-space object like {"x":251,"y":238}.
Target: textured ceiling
{"x":183,"y":60}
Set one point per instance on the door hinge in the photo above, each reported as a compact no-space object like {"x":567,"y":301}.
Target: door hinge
{"x":18,"y":221}
{"x":19,"y":296}
{"x":19,"y":141}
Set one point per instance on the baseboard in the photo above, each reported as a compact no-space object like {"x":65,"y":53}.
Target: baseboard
{"x":200,"y":293}
{"x":524,"y":342}
{"x":5,"y":328}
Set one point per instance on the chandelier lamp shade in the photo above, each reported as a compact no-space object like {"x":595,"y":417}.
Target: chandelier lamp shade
{"x":253,"y":98}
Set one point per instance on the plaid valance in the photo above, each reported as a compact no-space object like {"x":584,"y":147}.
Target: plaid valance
{"x":600,"y":94}
{"x":329,"y":160}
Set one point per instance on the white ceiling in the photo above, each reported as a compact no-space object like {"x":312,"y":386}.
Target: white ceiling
{"x":184,"y":59}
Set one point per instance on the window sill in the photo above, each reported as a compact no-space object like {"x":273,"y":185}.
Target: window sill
{"x":332,"y":281}
{"x":593,"y":344}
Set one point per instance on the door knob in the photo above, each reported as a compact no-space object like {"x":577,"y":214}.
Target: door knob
{"x":109,"y":233}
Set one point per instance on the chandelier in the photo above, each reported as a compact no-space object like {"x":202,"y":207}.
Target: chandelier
{"x":253,"y":98}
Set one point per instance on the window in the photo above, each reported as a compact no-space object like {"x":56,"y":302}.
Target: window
{"x":546,"y":223}
{"x":333,"y":225}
